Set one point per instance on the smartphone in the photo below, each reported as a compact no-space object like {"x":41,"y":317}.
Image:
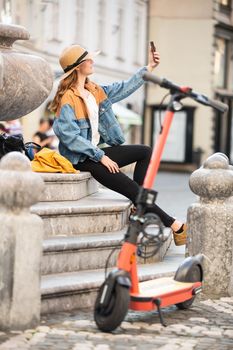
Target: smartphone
{"x":152,"y":46}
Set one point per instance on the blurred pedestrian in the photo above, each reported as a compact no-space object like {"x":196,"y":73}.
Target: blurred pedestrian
{"x":50,"y":133}
{"x":41,"y":136}
{"x":14,"y":127}
{"x":2,"y":128}
{"x":84,"y":120}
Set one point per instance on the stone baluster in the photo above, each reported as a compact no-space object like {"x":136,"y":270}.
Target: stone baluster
{"x":210,"y":222}
{"x":21,"y":236}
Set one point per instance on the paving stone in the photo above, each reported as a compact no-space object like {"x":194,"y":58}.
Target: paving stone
{"x":197,"y":331}
{"x":102,"y":347}
{"x":16,"y":332}
{"x":83,"y":323}
{"x":37,"y":337}
{"x":84,"y":346}
{"x":43,"y":329}
{"x":213,"y":334}
{"x":28,"y":336}
{"x":152,"y":328}
{"x":229,"y":333}
{"x":178,"y":329}
{"x":168,"y":347}
{"x":61,"y":332}
{"x":199,"y":319}
{"x":127,"y":325}
{"x":228,"y":300}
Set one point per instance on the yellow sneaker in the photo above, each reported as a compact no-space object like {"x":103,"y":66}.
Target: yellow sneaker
{"x":180,"y":238}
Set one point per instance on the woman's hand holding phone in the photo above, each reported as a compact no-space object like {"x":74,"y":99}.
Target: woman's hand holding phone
{"x":154,"y":57}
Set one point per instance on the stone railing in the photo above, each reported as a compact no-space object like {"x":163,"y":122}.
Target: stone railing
{"x":210,"y":223}
{"x":20,"y":243}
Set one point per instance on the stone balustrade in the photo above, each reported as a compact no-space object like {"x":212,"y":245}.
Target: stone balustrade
{"x":210,"y":223}
{"x":21,"y":236}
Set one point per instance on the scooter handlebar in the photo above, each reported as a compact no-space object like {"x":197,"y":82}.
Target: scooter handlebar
{"x":153,"y":78}
{"x":204,"y":100}
{"x":161,"y":82}
{"x":220,"y":106}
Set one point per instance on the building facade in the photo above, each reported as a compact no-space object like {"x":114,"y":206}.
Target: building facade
{"x":116,"y":27}
{"x":195,"y":39}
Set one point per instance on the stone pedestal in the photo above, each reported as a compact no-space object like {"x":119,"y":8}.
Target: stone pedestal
{"x":210,"y":222}
{"x":21,"y":236}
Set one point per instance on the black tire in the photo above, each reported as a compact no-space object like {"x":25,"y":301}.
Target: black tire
{"x":194,"y":275}
{"x":109,"y":318}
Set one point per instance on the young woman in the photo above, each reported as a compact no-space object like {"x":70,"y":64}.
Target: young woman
{"x":84,"y":119}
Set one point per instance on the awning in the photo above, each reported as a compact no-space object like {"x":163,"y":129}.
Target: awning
{"x":126,"y":116}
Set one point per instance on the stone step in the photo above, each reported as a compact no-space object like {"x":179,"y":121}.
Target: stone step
{"x":67,"y":187}
{"x":87,"y":252}
{"x":104,"y":211}
{"x":78,"y":290}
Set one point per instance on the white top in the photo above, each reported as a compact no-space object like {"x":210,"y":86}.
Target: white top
{"x":93,"y":113}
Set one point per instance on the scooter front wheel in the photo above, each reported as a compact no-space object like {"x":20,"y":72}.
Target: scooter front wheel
{"x":110,"y":317}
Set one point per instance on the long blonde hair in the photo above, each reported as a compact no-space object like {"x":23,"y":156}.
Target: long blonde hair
{"x":64,"y":85}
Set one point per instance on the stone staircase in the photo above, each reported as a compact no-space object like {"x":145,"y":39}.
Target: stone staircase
{"x":82,"y":225}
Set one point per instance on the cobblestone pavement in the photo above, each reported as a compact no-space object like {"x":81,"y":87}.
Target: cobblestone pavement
{"x":208,"y":324}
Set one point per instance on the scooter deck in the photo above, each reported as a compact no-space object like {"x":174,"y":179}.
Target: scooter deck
{"x":166,"y":289}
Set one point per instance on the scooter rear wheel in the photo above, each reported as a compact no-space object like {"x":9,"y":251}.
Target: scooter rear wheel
{"x":110,"y":317}
{"x":194,"y":275}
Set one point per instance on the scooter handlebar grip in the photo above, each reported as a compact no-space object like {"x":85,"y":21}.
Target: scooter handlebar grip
{"x":220,"y":106}
{"x":153,"y":78}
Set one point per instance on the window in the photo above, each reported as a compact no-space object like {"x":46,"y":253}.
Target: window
{"x":6,"y":12}
{"x":179,"y":144}
{"x":139,"y":42}
{"x":55,"y":20}
{"x":31,"y":19}
{"x":119,"y":32}
{"x":101,"y":26}
{"x":220,"y":63}
{"x":225,"y":6}
{"x":231,"y":67}
{"x":231,"y":136}
{"x":137,"y":27}
{"x":174,"y":150}
{"x":225,"y":3}
{"x":79,"y":30}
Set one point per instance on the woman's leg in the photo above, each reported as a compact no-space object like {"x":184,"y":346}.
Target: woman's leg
{"x":124,"y":155}
{"x":120,"y":183}
{"x":141,"y":154}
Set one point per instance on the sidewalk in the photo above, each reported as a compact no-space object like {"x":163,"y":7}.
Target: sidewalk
{"x":174,"y":194}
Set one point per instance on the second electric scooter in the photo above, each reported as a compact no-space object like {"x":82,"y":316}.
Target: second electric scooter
{"x":121,"y":290}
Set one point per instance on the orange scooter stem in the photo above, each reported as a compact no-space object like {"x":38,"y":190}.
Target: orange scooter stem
{"x":157,"y":152}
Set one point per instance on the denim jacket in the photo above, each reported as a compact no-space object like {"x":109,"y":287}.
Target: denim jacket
{"x":75,"y":134}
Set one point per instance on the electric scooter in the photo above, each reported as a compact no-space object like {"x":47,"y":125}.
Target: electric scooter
{"x":121,"y":290}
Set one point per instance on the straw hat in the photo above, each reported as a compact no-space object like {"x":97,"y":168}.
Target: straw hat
{"x":72,"y":57}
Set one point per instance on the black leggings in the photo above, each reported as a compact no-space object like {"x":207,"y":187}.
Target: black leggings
{"x":121,"y":183}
